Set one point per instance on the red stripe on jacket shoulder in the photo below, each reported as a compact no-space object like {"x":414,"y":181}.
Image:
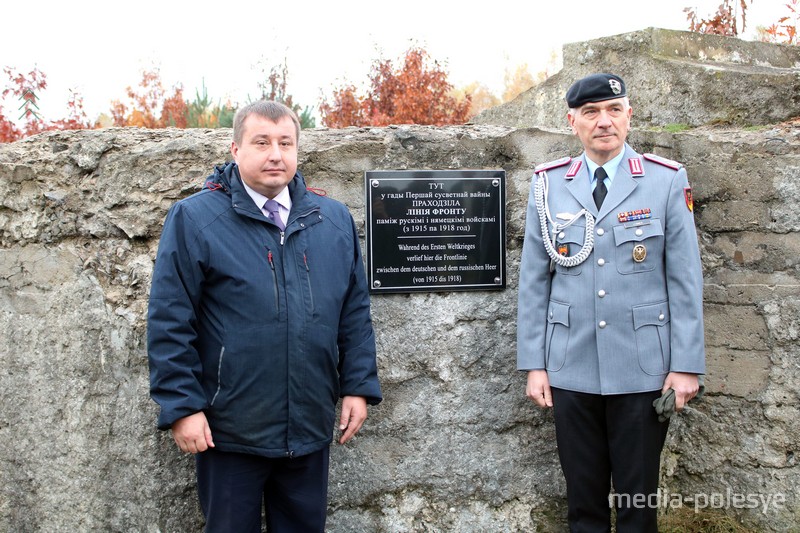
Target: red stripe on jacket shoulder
{"x":674,"y":165}
{"x":553,"y":164}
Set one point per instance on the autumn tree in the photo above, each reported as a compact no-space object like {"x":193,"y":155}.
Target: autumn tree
{"x":417,"y":92}
{"x":785,"y":30}
{"x":481,"y":97}
{"x":77,"y":118}
{"x":274,"y":87}
{"x":203,"y":113}
{"x":25,"y":88}
{"x":9,"y":132}
{"x":346,"y":109}
{"x":517,"y":82}
{"x":724,"y":22}
{"x":150,"y":106}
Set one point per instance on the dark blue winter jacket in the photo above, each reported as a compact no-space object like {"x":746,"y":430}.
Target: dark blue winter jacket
{"x":262,"y":331}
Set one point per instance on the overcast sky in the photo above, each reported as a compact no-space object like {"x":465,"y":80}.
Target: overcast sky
{"x":100,"y":48}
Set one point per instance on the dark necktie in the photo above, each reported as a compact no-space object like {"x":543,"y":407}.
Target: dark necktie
{"x":600,"y":190}
{"x":273,"y":208}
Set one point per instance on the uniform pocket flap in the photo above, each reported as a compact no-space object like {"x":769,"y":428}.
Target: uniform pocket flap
{"x":573,"y":234}
{"x":558,"y":313}
{"x":650,"y":315}
{"x":624,"y":234}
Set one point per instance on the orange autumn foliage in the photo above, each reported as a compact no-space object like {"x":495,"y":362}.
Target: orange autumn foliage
{"x":785,"y":30}
{"x":415,"y":93}
{"x":150,"y":105}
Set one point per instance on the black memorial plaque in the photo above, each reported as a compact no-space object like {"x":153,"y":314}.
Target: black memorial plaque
{"x":435,"y":230}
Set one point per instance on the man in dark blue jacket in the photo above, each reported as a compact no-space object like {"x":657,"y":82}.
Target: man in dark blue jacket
{"x":258,"y":323}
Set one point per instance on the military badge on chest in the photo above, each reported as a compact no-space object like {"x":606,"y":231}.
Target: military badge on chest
{"x":639,"y":253}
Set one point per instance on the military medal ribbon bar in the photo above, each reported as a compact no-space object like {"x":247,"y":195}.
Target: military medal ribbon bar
{"x":638,"y":214}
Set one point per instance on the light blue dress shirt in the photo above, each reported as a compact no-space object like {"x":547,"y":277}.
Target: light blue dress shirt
{"x":610,"y":168}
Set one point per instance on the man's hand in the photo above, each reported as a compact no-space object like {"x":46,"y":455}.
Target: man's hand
{"x":192,"y":433}
{"x":354,"y":413}
{"x":538,"y":388}
{"x":684,"y":385}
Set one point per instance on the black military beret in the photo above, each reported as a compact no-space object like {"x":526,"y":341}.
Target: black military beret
{"x":595,"y":88}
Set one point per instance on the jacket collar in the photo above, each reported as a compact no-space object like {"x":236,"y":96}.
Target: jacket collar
{"x":230,"y":179}
{"x":624,"y":184}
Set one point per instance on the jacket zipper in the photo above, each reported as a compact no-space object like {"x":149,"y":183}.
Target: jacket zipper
{"x":299,"y":216}
{"x":274,"y":279}
{"x":219,"y":375}
{"x":308,"y":279}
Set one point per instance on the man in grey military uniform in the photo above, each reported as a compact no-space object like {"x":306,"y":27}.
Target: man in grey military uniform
{"x":610,"y":308}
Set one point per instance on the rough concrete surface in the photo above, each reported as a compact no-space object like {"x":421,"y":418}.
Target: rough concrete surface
{"x":455,"y":446}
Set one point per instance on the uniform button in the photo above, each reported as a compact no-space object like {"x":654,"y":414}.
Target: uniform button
{"x":601,"y":293}
{"x":661,"y":316}
{"x":602,"y":324}
{"x":601,"y":261}
{"x":562,"y":235}
{"x":551,"y":314}
{"x":639,"y":232}
{"x":600,"y":231}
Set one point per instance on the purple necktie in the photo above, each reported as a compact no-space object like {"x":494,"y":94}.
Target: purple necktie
{"x":273,"y":208}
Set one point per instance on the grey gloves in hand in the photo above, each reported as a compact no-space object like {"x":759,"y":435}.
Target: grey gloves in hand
{"x":665,"y":404}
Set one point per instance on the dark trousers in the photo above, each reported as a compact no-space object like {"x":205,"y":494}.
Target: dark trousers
{"x":609,"y":438}
{"x":232,"y":486}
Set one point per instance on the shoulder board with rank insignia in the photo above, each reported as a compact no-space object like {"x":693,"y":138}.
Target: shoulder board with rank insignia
{"x":573,"y":169}
{"x":674,"y":165}
{"x":636,"y":166}
{"x":552,"y":164}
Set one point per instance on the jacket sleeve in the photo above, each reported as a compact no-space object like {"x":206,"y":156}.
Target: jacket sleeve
{"x":684,"y":275}
{"x":534,"y":292}
{"x":175,"y":367}
{"x":358,"y":368}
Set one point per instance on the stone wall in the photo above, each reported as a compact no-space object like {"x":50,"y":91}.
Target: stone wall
{"x":455,"y":446}
{"x":673,"y":77}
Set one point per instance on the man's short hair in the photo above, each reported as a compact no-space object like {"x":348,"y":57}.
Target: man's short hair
{"x":268,"y":109}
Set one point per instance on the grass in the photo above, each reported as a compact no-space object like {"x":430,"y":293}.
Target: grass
{"x":671,"y":128}
{"x":686,"y":520}
{"x":675,"y":128}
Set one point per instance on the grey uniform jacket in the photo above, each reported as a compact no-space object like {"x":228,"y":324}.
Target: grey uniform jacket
{"x":614,"y":324}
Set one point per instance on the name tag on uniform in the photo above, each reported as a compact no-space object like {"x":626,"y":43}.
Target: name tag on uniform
{"x":637,"y":224}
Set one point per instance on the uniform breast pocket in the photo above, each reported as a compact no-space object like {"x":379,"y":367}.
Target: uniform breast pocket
{"x":569,"y":242}
{"x":557,"y":336}
{"x":639,"y":248}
